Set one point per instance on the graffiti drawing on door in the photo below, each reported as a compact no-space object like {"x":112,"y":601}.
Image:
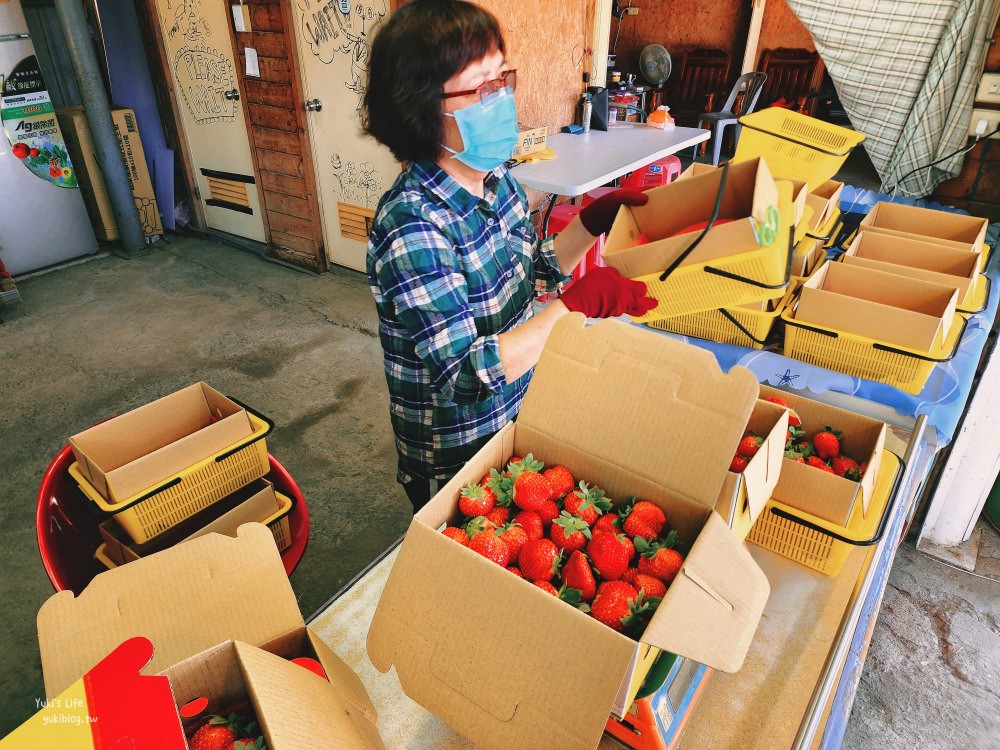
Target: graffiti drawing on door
{"x":360,"y":184}
{"x":188,"y":21}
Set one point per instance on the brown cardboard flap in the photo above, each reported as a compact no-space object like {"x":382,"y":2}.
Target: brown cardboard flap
{"x":299,"y":709}
{"x":183,"y":599}
{"x":342,"y":677}
{"x":622,"y":376}
{"x":770,"y":422}
{"x":525,"y":690}
{"x":712,"y":608}
{"x":926,"y":222}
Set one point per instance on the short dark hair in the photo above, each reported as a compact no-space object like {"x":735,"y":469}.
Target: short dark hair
{"x":419,"y":48}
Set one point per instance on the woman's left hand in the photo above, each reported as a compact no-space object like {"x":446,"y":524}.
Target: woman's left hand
{"x":598,"y":217}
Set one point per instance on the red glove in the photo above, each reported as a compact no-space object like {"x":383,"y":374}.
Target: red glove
{"x":598,"y":217}
{"x":605,"y":293}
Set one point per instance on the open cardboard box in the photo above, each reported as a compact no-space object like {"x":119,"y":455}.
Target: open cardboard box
{"x":918,"y":259}
{"x":696,"y":169}
{"x":884,"y":307}
{"x":187,"y":599}
{"x":957,"y":231}
{"x":636,"y":414}
{"x":809,"y":252}
{"x":134,"y":451}
{"x":825,"y":202}
{"x":815,"y":491}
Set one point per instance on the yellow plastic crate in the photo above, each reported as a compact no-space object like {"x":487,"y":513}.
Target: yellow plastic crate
{"x":159,"y":508}
{"x":794,"y":145}
{"x":820,"y":544}
{"x":735,"y":325}
{"x":906,"y":369}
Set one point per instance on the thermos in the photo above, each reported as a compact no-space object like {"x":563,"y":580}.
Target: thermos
{"x":586,"y":110}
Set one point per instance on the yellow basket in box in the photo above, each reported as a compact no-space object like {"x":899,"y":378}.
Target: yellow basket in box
{"x":737,"y":252}
{"x":820,"y":544}
{"x":794,"y":145}
{"x":158,"y":508}
{"x":741,"y":326}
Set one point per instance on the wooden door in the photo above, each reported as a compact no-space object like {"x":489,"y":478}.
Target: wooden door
{"x":275,"y":106}
{"x":198,"y":53}
{"x":333,"y":39}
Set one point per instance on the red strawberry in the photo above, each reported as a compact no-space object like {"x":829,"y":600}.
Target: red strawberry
{"x":547,"y":587}
{"x":514,"y":460}
{"x":515,"y":571}
{"x":652,"y":586}
{"x":476,"y":500}
{"x":608,"y":522}
{"x":630,"y":575}
{"x":576,"y":574}
{"x":458,"y":534}
{"x":619,"y":606}
{"x":659,"y":559}
{"x":492,"y":547}
{"x":560,"y":479}
{"x":480,"y":523}
{"x":818,"y":463}
{"x":738,"y":464}
{"x":250,"y":744}
{"x":827,"y":442}
{"x":498,"y":516}
{"x":843,"y":466}
{"x":644,"y":519}
{"x":795,"y":439}
{"x":587,"y":502}
{"x":531,"y":522}
{"x":799,"y":460}
{"x":749,"y":445}
{"x":531,"y":489}
{"x":539,"y":560}
{"x":570,"y":532}
{"x":218,"y":734}
{"x":610,"y":554}
{"x":548,"y":512}
{"x":502,"y":486}
{"x":514,"y":536}
{"x":793,"y":418}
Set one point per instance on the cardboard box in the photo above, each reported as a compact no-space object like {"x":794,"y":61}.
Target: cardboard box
{"x":188,"y":599}
{"x":136,"y":450}
{"x":605,"y":401}
{"x":743,"y":496}
{"x":254,"y":503}
{"x":696,"y":169}
{"x":917,"y":259}
{"x":138,"y":173}
{"x":825,"y":202}
{"x":884,"y":307}
{"x":814,"y":491}
{"x":809,"y":253}
{"x":965,"y":232}
{"x":83,"y":154}
{"x":531,"y":141}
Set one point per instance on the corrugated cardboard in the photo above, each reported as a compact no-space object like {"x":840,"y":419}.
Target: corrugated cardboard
{"x":815,"y":491}
{"x":968,"y":232}
{"x":824,"y":201}
{"x":637,"y":414}
{"x":696,"y":169}
{"x":138,"y":173}
{"x":743,"y":496}
{"x":917,"y":259}
{"x":808,"y":254}
{"x":295,"y":708}
{"x":83,"y":154}
{"x":530,"y":142}
{"x":254,"y":503}
{"x":885,"y":307}
{"x":136,"y":450}
{"x":750,"y":192}
{"x":187,"y":599}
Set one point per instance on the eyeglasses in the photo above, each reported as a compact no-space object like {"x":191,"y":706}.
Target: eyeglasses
{"x":507,"y":79}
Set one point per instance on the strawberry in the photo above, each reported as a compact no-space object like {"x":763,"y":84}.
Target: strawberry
{"x":492,"y":547}
{"x":498,"y":516}
{"x":799,"y":460}
{"x":476,"y":500}
{"x":610,"y":554}
{"x":539,"y":559}
{"x":248,"y":743}
{"x":843,"y":466}
{"x":218,"y":734}
{"x":458,"y":534}
{"x":652,"y":586}
{"x":516,"y":571}
{"x":547,"y":587}
{"x":514,"y":537}
{"x":749,"y":445}
{"x":793,"y":418}
{"x":587,"y":502}
{"x":515,"y":460}
{"x":548,"y":512}
{"x":531,"y":490}
{"x":569,"y":532}
{"x":629,"y":576}
{"x":818,"y":463}
{"x":827,"y":442}
{"x":531,"y":522}
{"x":480,"y":523}
{"x":608,"y":522}
{"x":576,"y":574}
{"x":659,"y":559}
{"x":793,"y":436}
{"x":573,"y":597}
{"x":619,"y":606}
{"x":644,"y":519}
{"x":560,"y":479}
{"x":738,"y":464}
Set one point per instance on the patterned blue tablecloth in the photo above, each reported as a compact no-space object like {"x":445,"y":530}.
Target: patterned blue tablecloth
{"x":947,"y":390}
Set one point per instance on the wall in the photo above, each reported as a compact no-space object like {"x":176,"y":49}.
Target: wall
{"x":782,"y":28}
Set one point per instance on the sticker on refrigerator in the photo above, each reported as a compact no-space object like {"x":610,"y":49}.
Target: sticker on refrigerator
{"x":29,"y":122}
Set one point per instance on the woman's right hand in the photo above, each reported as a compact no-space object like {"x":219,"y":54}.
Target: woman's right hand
{"x":605,"y":293}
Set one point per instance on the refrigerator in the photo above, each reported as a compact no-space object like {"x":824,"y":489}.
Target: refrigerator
{"x":43,"y":220}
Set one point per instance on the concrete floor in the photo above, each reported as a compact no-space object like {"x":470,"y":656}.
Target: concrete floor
{"x":105,"y":336}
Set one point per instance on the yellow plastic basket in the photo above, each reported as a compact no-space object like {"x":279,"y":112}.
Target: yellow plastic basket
{"x":735,"y":325}
{"x":158,"y":508}
{"x":794,"y":145}
{"x":820,"y":544}
{"x":906,"y":369}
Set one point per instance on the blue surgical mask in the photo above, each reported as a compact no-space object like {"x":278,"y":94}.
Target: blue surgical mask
{"x":489,"y":131}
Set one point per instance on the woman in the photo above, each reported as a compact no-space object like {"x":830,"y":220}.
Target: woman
{"x":454,"y":261}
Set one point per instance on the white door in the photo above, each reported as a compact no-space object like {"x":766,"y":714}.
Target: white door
{"x":199,"y":50}
{"x":333,"y":39}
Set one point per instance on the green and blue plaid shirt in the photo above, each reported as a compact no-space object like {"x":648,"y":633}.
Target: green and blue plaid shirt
{"x":450,"y":272}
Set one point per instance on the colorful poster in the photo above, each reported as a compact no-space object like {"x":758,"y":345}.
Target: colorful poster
{"x":29,"y":121}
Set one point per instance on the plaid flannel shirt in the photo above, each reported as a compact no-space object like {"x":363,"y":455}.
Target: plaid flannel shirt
{"x":450,"y":272}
